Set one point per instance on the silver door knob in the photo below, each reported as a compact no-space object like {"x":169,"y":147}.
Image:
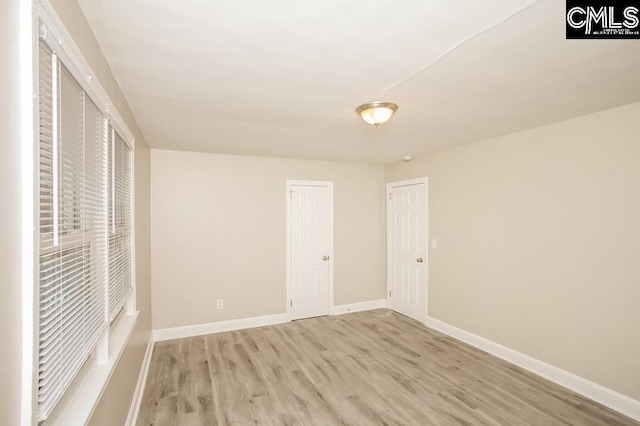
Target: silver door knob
{"x":419,"y":260}
{"x":325,"y":258}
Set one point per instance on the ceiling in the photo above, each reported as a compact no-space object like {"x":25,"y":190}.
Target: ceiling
{"x":282,"y":78}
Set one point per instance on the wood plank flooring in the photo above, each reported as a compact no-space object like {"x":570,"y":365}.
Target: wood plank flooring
{"x":367,"y":368}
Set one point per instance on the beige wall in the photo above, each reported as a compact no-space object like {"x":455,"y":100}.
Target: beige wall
{"x":115,"y":403}
{"x":539,"y":242}
{"x":218,"y":225}
{"x":10,"y":238}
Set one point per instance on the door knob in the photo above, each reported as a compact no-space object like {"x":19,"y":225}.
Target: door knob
{"x":419,"y":260}
{"x":325,"y":258}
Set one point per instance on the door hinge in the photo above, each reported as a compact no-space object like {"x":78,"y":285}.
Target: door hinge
{"x":389,"y":196}
{"x":291,"y":303}
{"x":389,"y":293}
{"x":290,"y":194}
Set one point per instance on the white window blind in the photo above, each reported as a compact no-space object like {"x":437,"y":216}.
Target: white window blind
{"x":120,"y":180}
{"x":85,"y":198}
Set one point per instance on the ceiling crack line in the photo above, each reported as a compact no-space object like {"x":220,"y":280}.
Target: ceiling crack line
{"x":436,"y":60}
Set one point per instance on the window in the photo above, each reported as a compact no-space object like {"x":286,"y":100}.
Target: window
{"x":120,"y":215}
{"x":85,"y":225}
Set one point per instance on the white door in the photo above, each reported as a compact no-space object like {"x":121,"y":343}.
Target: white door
{"x":407,"y":248}
{"x":311,"y":233}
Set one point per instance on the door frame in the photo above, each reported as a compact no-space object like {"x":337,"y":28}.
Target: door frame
{"x":417,"y":181}
{"x":289,"y":254}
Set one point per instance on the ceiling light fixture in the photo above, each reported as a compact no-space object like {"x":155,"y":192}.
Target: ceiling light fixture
{"x":376,"y":112}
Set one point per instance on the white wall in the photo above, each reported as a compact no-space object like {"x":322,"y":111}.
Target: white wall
{"x":10,"y":237}
{"x":539,"y":242}
{"x":219,"y":226}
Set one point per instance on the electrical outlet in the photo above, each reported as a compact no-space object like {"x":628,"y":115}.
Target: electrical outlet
{"x":220,"y":303}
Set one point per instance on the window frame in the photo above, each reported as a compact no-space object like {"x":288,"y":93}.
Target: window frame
{"x":113,"y":231}
{"x":82,"y":396}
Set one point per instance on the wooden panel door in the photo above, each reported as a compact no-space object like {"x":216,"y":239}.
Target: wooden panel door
{"x":407,"y":248}
{"x":311,"y":247}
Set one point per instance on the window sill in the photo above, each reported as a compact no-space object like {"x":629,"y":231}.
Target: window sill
{"x":83,"y":396}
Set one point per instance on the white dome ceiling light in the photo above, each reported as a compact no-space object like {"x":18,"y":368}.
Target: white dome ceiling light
{"x":377,"y":113}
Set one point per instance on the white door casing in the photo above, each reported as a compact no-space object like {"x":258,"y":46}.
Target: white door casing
{"x":310,"y":248}
{"x":407,"y":204}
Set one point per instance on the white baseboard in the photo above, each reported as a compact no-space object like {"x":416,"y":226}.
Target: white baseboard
{"x":142,"y":380}
{"x":217,"y":327}
{"x":162,"y":334}
{"x":360,"y":306}
{"x":605,"y":396}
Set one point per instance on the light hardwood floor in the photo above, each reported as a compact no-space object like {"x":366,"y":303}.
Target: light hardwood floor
{"x":365,"y":368}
